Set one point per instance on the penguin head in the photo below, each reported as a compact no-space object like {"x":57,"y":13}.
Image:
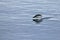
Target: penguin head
{"x":37,"y":15}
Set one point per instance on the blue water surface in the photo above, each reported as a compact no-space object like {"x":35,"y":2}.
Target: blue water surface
{"x":16,"y":20}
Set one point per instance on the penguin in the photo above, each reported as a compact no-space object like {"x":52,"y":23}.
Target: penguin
{"x":37,"y":18}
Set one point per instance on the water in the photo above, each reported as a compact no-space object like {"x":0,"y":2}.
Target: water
{"x":16,"y":20}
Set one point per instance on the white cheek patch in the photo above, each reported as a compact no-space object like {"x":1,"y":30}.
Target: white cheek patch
{"x":38,"y":17}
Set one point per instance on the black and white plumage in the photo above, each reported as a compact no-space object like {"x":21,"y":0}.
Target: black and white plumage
{"x":37,"y":18}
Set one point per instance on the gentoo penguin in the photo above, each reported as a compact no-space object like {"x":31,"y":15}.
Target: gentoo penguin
{"x":37,"y":18}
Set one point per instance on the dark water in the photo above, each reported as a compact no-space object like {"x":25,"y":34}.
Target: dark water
{"x":16,"y":20}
